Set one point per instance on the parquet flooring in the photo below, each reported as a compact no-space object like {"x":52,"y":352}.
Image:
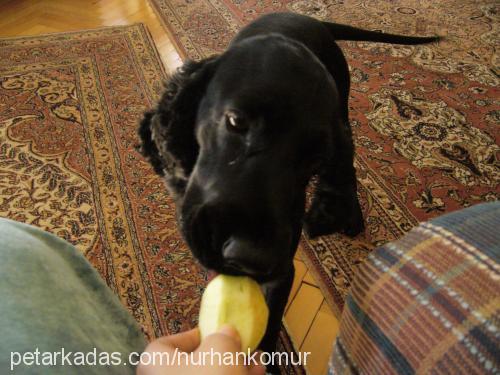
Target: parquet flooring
{"x":32,"y":17}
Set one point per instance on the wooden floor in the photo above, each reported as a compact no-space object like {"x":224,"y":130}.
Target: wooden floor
{"x":310,"y":321}
{"x":32,"y":17}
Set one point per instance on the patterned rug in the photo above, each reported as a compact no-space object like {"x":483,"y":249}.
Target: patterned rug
{"x":69,"y":105}
{"x":425,"y":118}
{"x":69,"y":110}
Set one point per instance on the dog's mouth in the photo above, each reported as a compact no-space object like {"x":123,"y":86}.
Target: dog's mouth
{"x":232,"y":271}
{"x":208,"y":233}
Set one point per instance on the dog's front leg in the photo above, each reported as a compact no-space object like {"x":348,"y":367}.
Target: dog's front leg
{"x":335,"y":206}
{"x":276,"y":293}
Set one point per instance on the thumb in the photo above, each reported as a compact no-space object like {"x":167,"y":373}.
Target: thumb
{"x":226,"y":339}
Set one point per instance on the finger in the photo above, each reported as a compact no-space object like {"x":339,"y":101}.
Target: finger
{"x":258,"y":368}
{"x":226,"y":339}
{"x":185,"y":341}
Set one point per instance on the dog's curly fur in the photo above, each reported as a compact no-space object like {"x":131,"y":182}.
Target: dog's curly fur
{"x":238,"y":136}
{"x":167,"y":132}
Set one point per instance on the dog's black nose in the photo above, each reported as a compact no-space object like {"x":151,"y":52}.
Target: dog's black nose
{"x":245,"y":258}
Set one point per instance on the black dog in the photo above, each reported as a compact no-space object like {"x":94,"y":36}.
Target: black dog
{"x":238,"y":136}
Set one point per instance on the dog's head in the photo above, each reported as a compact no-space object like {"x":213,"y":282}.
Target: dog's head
{"x":237,"y":137}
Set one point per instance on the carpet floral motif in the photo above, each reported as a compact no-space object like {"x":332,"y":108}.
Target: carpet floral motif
{"x":37,"y":189}
{"x":434,"y":135}
{"x":425,"y":118}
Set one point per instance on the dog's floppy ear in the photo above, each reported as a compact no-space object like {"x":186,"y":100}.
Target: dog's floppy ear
{"x":167,"y":132}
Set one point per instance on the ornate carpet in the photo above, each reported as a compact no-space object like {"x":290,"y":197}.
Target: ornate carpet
{"x":425,"y":118}
{"x":69,"y":110}
{"x":69,"y":105}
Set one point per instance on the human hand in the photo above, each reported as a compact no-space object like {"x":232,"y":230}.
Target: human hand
{"x":226,"y":340}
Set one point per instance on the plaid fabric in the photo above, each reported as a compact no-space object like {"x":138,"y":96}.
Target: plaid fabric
{"x":428,"y":303}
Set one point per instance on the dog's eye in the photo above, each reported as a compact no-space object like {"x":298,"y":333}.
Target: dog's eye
{"x":235,"y":121}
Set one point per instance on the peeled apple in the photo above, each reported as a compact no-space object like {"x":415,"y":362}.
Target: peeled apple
{"x":238,"y":301}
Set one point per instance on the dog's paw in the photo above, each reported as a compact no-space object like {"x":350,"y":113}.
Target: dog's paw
{"x":323,"y":219}
{"x":355,"y":225}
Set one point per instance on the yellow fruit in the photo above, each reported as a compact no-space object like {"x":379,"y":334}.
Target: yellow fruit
{"x":238,"y":301}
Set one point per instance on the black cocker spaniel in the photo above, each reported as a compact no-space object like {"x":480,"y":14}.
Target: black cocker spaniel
{"x":238,"y":136}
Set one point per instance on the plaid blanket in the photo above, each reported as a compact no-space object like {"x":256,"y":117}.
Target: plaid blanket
{"x":428,"y":303}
